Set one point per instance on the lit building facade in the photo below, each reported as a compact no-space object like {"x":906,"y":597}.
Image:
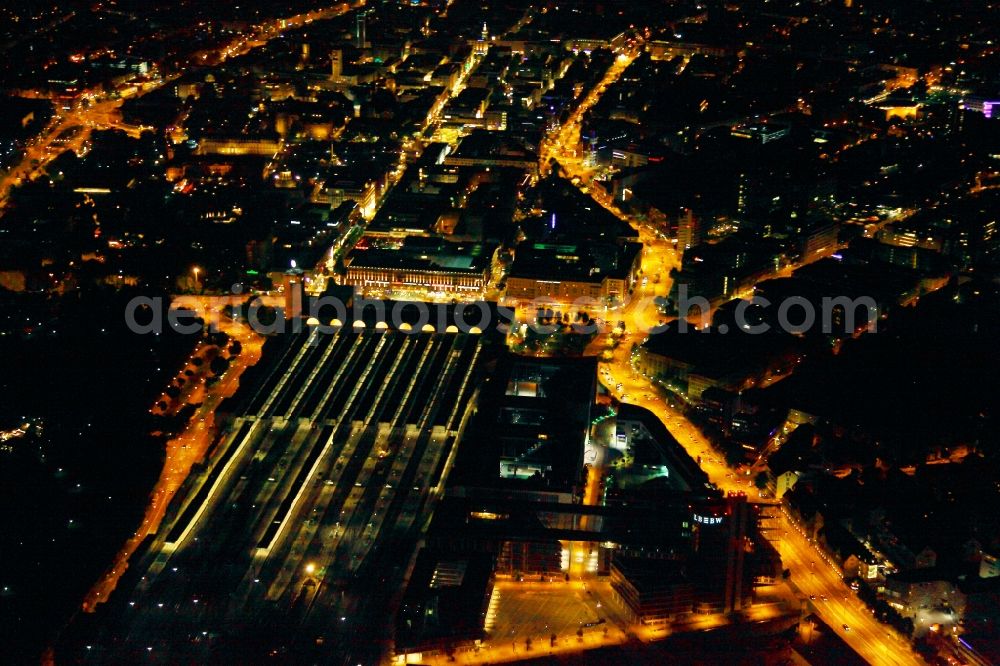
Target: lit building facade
{"x":423,"y":265}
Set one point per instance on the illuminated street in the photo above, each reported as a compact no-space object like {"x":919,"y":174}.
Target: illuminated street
{"x":810,"y":573}
{"x":446,"y":331}
{"x":874,"y":641}
{"x":102,"y":112}
{"x":189,"y":448}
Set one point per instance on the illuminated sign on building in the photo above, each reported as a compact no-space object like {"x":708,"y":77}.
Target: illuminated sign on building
{"x":983,"y":106}
{"x":708,"y":520}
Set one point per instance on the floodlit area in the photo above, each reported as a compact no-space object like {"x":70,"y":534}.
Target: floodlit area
{"x":539,"y":610}
{"x":532,"y":619}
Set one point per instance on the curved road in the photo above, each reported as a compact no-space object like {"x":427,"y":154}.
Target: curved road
{"x":810,"y":572}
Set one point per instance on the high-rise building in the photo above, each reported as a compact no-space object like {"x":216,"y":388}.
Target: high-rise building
{"x":722,"y":532}
{"x":293,"y":286}
{"x":360,"y":38}
{"x":688,"y":229}
{"x":590,"y":157}
{"x":482,"y":45}
{"x":336,"y":65}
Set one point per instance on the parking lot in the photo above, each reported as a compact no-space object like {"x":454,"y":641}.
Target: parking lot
{"x":539,"y":610}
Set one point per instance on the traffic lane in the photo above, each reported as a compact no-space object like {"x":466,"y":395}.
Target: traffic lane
{"x":867,"y":642}
{"x":183,"y":452}
{"x":815,"y":578}
{"x":88,"y":116}
{"x":687,"y":435}
{"x":869,"y":634}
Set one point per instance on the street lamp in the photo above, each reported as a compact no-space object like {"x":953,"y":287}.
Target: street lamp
{"x":196,"y":270}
